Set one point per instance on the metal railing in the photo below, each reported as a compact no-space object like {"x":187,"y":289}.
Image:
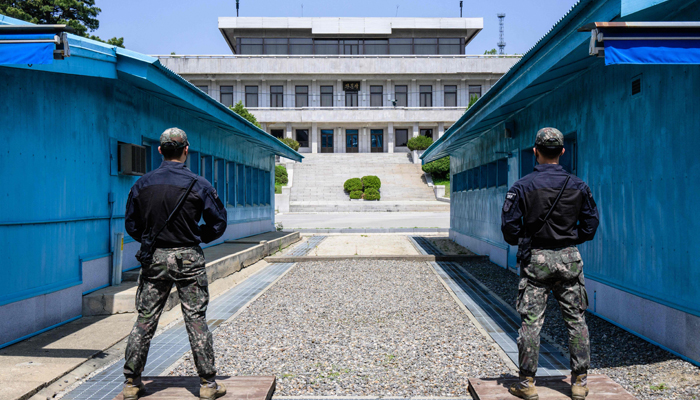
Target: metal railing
{"x":360,"y":108}
{"x":277,"y":56}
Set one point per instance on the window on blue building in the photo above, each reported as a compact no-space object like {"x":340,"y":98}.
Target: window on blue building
{"x":240,"y":184}
{"x":568,"y":160}
{"x":231,"y":184}
{"x":483,"y":176}
{"x":207,"y":169}
{"x":492,"y":174}
{"x":220,"y":179}
{"x":502,"y":179}
{"x":527,"y":161}
{"x":192,"y":162}
{"x":249,"y":186}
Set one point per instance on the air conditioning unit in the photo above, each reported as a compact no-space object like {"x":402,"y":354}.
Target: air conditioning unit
{"x":132,"y":159}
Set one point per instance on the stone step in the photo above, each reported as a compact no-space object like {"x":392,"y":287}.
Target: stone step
{"x":368,"y":206}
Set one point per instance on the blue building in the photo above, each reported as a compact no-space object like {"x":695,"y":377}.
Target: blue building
{"x":76,"y":133}
{"x":630,"y":113}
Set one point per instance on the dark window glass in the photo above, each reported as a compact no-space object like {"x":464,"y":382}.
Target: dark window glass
{"x":249,"y":186}
{"x":350,"y":99}
{"x":350,"y":46}
{"x":401,"y":93}
{"x":474,"y":91}
{"x":426,"y":133}
{"x":226,"y":95}
{"x":326,"y":96}
{"x":204,"y":88}
{"x":251,"y":46}
{"x":426,"y":96}
{"x":251,"y":96}
{"x":303,"y":137}
{"x":376,"y":96}
{"x":425,"y":46}
{"x":240,"y":184}
{"x":471,"y":179}
{"x":401,"y":137}
{"x":376,"y":46}
{"x":502,"y":179}
{"x":326,"y":46}
{"x":492,"y":171}
{"x":450,"y":46}
{"x":450,"y":95}
{"x":483,"y":176}
{"x":278,"y":133}
{"x":276,"y":96}
{"x":301,"y":96}
{"x":231,"y":184}
{"x":400,"y":46}
{"x":276,"y":46}
{"x":301,"y":46}
{"x":568,"y":160}
{"x":527,"y":161}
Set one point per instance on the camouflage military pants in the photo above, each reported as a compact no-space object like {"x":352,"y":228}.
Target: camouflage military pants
{"x":185,"y":267}
{"x":561,"y":272}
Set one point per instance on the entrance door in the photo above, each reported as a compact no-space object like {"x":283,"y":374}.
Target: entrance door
{"x":351,"y":141}
{"x":326,"y":141}
{"x":377,"y":140}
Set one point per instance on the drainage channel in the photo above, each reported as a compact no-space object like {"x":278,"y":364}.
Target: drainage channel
{"x":173,"y":343}
{"x":501,"y":322}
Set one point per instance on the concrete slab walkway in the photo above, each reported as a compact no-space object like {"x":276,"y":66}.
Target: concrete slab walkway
{"x":370,"y":220}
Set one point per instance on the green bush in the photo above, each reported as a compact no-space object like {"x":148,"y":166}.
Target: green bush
{"x":353,"y":185}
{"x":371,"y":181}
{"x":357,"y":194}
{"x":438,"y":168}
{"x":293,"y":144}
{"x":419,"y":143}
{"x":372,"y":194}
{"x":281,"y":176}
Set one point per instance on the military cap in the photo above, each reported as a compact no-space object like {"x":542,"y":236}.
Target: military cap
{"x":549,"y":137}
{"x":174,"y":135}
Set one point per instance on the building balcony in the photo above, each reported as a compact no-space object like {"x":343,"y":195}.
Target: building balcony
{"x":334,"y":66}
{"x":349,"y":115}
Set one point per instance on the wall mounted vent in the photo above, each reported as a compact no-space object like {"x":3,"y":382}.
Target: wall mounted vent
{"x":636,"y":86}
{"x":132,"y":159}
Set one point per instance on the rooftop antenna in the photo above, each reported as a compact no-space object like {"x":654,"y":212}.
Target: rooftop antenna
{"x":460,"y":8}
{"x":397,"y":11}
{"x":501,"y":42}
{"x":237,"y":7}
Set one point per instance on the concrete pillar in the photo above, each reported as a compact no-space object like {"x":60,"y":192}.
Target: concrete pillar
{"x":314,"y":138}
{"x":463,"y":94}
{"x":214,"y":90}
{"x":390,"y":139}
{"x":438,"y":94}
{"x":388,"y":93}
{"x":314,"y":94}
{"x":416,"y":130}
{"x":288,"y":133}
{"x":441,"y":129}
{"x":363,"y":140}
{"x":289,"y":94}
{"x":363,"y":101}
{"x":340,"y":95}
{"x":264,"y":98}
{"x":340,"y":134}
{"x":413,"y":97}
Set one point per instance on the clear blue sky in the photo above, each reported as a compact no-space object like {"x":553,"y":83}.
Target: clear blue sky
{"x":190,"y":26}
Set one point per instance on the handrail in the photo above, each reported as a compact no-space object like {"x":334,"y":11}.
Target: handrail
{"x":263,"y":56}
{"x":382,"y":108}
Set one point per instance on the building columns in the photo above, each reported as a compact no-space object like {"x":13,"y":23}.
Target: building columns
{"x":314,"y":138}
{"x":441,"y":129}
{"x":390,"y":141}
{"x":288,"y":131}
{"x":416,"y":130}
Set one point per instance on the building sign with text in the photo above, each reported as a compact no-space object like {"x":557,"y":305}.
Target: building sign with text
{"x":351,"y":86}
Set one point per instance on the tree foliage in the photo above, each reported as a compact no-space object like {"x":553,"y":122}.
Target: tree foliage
{"x":419,"y":143}
{"x":240,"y":109}
{"x":372,"y":194}
{"x":281,"y":175}
{"x":353,"y":185}
{"x":80,"y":15}
{"x":293,"y":144}
{"x":438,"y":168}
{"x":472,"y":100}
{"x":491,"y":52}
{"x":371,"y":181}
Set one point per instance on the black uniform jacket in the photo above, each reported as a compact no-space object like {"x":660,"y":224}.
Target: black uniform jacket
{"x":573,"y":221}
{"x":154,"y":196}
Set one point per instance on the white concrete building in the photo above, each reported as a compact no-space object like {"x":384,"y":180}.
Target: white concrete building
{"x":347,"y":85}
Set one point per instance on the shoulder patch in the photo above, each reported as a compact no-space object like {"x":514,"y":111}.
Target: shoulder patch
{"x":510,"y":195}
{"x":510,"y":199}
{"x":214,"y":194}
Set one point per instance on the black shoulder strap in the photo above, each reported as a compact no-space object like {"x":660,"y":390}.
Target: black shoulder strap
{"x":175,"y":210}
{"x":543,"y":221}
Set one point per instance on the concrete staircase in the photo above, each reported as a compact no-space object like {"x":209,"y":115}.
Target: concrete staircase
{"x":319,"y":179}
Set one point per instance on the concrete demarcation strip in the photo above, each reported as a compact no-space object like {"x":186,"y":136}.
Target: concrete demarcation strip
{"x":183,"y":387}
{"x":409,"y":257}
{"x":548,"y":388}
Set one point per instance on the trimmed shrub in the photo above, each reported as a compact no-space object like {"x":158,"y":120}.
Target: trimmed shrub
{"x":353,"y":185}
{"x":281,"y":176}
{"x":357,"y":194}
{"x":419,"y":143}
{"x":438,"y":168}
{"x":372,"y":194}
{"x":293,"y":144}
{"x":371,"y":181}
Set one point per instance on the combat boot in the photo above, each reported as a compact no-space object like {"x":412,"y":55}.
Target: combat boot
{"x":579,"y":386}
{"x":133,"y":388}
{"x":210,"y":393}
{"x":524,"y":388}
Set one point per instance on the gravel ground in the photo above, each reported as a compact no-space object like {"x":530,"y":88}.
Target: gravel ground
{"x":356,"y":328}
{"x":645,"y":370}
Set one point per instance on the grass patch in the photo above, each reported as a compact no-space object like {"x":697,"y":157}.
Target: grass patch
{"x":278,"y":188}
{"x":445,"y":182}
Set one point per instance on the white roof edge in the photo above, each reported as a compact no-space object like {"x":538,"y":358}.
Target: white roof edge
{"x":340,"y":25}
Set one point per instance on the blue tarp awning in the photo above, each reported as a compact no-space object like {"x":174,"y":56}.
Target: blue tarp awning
{"x":652,"y":49}
{"x":27,"y":49}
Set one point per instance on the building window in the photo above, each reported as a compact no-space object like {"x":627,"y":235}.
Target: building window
{"x":350,"y":99}
{"x":401,"y":137}
{"x":231,"y":184}
{"x":278,"y":133}
{"x":401,"y":93}
{"x":301,"y":96}
{"x":204,"y":88}
{"x":249,"y":186}
{"x":450,"y":46}
{"x":276,"y":46}
{"x":426,"y":133}
{"x":226,"y":95}
{"x":400,"y":46}
{"x":377,"y":46}
{"x":250,"y":46}
{"x":502,"y":179}
{"x":351,"y":46}
{"x":251,"y":96}
{"x":240,"y":184}
{"x":276,"y":96}
{"x":450,"y":95}
{"x":568,"y":159}
{"x":426,"y":96}
{"x":527,"y":161}
{"x":425,"y":46}
{"x":326,"y":46}
{"x":301,"y":46}
{"x":376,"y":96}
{"x":303,"y":137}
{"x":474,"y":91}
{"x":326,"y":96}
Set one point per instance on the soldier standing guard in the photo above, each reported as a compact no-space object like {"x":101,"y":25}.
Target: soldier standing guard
{"x":547,"y":213}
{"x":163,"y":214}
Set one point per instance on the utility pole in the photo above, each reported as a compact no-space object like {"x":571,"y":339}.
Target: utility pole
{"x":237,"y":7}
{"x":501,"y":42}
{"x":460,"y":8}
